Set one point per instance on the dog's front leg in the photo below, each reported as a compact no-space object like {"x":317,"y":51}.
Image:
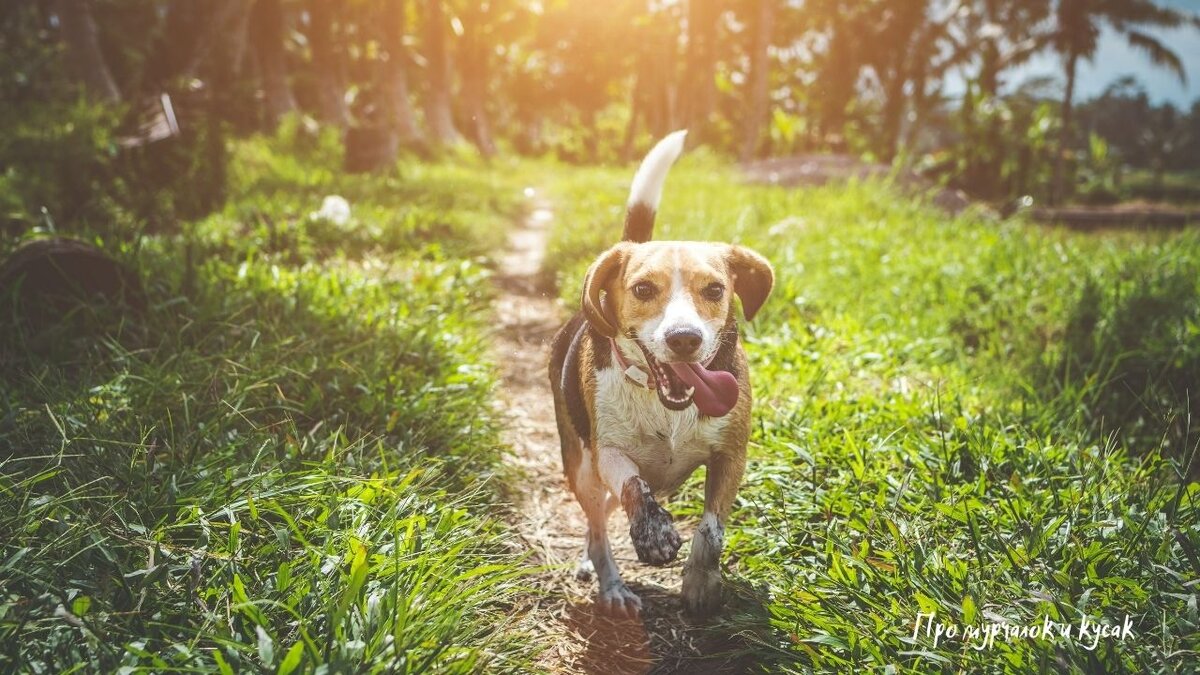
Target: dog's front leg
{"x":650,"y":528}
{"x":613,"y":597}
{"x":702,"y":572}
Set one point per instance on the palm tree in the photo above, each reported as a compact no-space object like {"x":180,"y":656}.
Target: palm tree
{"x":1075,"y":37}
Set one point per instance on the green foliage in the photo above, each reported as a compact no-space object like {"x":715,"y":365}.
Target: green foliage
{"x":1003,"y":147}
{"x":63,"y":167}
{"x":59,"y":163}
{"x":588,"y":82}
{"x":986,"y":420}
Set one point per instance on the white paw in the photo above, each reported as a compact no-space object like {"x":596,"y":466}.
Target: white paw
{"x":585,"y":569}
{"x":701,"y":591}
{"x":617,"y":600}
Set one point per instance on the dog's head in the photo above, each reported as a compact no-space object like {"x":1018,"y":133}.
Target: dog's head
{"x":675,"y":300}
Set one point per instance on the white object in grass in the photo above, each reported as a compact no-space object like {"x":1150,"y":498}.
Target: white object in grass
{"x":335,"y":209}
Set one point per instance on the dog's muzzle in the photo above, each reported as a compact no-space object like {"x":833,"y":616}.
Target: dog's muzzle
{"x":679,"y":385}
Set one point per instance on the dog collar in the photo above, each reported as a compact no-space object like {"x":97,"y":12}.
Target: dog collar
{"x":633,"y":372}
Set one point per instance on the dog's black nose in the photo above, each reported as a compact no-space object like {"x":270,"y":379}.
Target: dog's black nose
{"x":683,"y":341}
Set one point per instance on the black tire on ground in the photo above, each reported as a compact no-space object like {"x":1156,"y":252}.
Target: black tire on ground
{"x":48,"y":277}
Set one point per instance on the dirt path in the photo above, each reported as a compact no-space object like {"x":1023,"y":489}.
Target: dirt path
{"x":549,"y":519}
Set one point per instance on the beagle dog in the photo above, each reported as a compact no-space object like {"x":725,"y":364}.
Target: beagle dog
{"x":650,"y":382}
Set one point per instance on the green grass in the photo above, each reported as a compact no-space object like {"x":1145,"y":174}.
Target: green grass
{"x":985,"y":420}
{"x":287,"y":461}
{"x":291,"y":458}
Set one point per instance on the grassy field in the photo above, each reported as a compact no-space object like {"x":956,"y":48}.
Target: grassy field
{"x":986,"y":421}
{"x":287,"y":461}
{"x":291,"y":459}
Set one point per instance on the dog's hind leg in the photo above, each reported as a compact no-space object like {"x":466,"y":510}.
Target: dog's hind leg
{"x":613,"y":597}
{"x":584,"y":569}
{"x":702,"y":572}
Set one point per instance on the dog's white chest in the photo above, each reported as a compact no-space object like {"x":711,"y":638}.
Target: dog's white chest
{"x":666,"y":445}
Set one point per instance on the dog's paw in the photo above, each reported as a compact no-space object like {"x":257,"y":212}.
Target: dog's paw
{"x":618,"y":601}
{"x":701,"y":591}
{"x":654,"y":536}
{"x":585,"y":569}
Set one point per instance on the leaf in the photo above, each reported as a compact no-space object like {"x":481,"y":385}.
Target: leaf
{"x":234,"y":530}
{"x":358,"y":576}
{"x":969,"y":610}
{"x":266,"y":646}
{"x":826,"y":639}
{"x":952,"y":511}
{"x":81,"y":605}
{"x":1158,"y":52}
{"x":222,"y":665}
{"x":292,"y":659}
{"x":933,"y":656}
{"x":239,"y":590}
{"x":927,"y":604}
{"x":16,"y":558}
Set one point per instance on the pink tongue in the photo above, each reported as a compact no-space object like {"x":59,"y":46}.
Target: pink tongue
{"x":716,"y":390}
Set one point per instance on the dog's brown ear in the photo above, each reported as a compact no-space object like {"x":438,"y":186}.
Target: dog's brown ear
{"x":752,"y":278}
{"x":599,"y":277}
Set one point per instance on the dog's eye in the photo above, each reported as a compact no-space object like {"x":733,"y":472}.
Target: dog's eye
{"x":714,"y":291}
{"x":644,"y":290}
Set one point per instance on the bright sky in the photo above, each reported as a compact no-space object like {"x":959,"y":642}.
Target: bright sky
{"x":1116,"y":58}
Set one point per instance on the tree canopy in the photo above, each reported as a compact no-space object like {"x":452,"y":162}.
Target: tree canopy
{"x":589,"y":81}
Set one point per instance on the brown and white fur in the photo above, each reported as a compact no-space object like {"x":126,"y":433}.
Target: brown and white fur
{"x":624,"y":443}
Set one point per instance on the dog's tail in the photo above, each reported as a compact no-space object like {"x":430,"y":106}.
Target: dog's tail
{"x":647,"y":187}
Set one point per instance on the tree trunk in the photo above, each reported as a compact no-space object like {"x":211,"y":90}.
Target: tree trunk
{"x":218,"y":25}
{"x":635,"y":111}
{"x":653,"y":96}
{"x":437,"y":103}
{"x":906,"y":47}
{"x":919,"y":103}
{"x":986,"y":167}
{"x":1058,"y":188}
{"x":237,"y":41}
{"x":219,"y":63}
{"x":475,"y":76}
{"x":700,"y":82}
{"x":81,"y":36}
{"x":530,"y":141}
{"x":893,"y":113}
{"x":331,"y":92}
{"x":178,"y":41}
{"x":836,"y":83}
{"x":644,"y":96}
{"x":396,"y":103}
{"x":760,"y":77}
{"x":989,"y":54}
{"x":266,"y":28}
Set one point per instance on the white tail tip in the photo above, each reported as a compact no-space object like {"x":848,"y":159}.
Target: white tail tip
{"x":648,"y":181}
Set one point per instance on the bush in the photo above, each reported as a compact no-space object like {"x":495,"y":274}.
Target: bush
{"x":61,"y":161}
{"x":65,"y":168}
